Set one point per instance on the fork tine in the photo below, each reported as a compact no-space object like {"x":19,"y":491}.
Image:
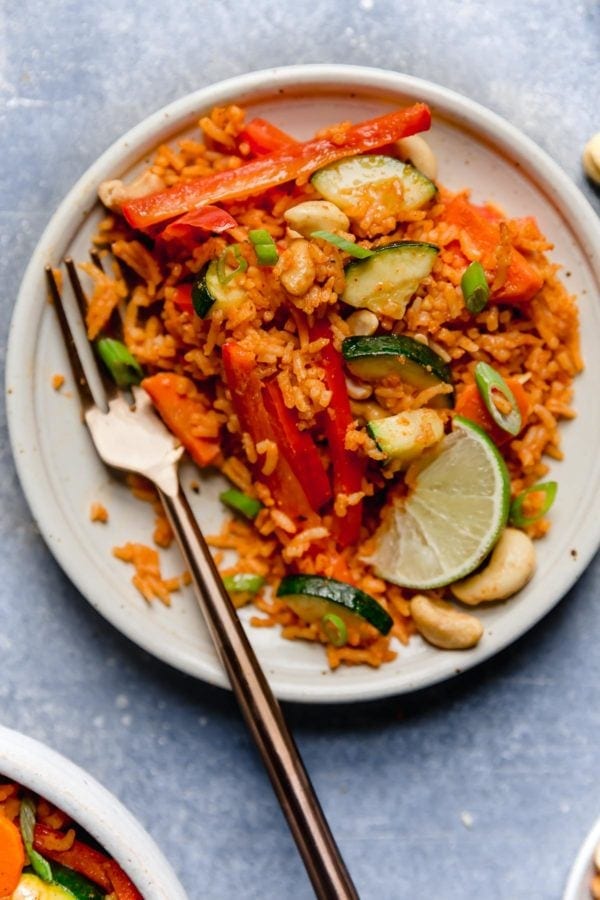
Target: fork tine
{"x":110,"y":388}
{"x":81,"y":382}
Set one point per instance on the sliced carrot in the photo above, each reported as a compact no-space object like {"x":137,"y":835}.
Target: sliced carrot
{"x":482,"y":239}
{"x":12,"y":856}
{"x":182,"y":409}
{"x":470,"y":404}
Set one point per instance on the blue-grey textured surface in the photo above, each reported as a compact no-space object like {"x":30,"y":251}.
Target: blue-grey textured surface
{"x":482,"y":788}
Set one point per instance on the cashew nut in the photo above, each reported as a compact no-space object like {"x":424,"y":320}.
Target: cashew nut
{"x":363,"y":322}
{"x":510,"y":567}
{"x":297,"y":268}
{"x":443,"y":625}
{"x":591,"y":158}
{"x":416,"y":150}
{"x":115,"y":193}
{"x":316,"y":215}
{"x":357,"y":391}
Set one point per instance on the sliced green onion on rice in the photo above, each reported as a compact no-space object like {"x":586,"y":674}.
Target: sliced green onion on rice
{"x":518,"y":518}
{"x":243,"y":582}
{"x":241,"y":503}
{"x":225,"y":271}
{"x":335,"y":629}
{"x":124,"y":368}
{"x":474,"y":286}
{"x":340,"y":242}
{"x":495,"y":393}
{"x":264,"y":247}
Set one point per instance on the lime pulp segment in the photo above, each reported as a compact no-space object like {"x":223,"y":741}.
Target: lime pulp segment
{"x":453,"y":516}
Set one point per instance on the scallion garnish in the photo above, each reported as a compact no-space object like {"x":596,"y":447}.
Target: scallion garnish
{"x":340,"y":242}
{"x":335,"y":629}
{"x":243,"y":582}
{"x":40,"y":866}
{"x":498,"y":398}
{"x":240,"y":502}
{"x":226,"y":271}
{"x":517,"y":516}
{"x":264,"y":246}
{"x":122,"y":365}
{"x":260,"y":236}
{"x":474,"y":286}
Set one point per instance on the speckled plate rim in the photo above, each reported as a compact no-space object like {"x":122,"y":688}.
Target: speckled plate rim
{"x":471,"y":117}
{"x":51,"y":775}
{"x":582,"y":870}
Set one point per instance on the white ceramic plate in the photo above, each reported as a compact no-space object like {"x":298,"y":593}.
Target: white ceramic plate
{"x":61,"y":475}
{"x":583,"y":869}
{"x":91,"y":806}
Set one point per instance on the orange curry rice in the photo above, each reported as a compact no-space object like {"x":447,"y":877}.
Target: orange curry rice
{"x":43,"y":853}
{"x":376,"y":367}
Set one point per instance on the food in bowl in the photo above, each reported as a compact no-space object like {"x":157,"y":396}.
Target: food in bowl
{"x":377,"y":365}
{"x":44,"y":855}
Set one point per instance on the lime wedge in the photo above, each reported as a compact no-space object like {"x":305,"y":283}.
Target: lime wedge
{"x":452,"y":517}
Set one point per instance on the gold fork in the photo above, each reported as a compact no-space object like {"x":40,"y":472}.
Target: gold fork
{"x":133,"y":438}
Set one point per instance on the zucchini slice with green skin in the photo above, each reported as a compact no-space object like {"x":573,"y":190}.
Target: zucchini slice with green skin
{"x":353,"y":181}
{"x":311,"y":597}
{"x":209,"y":293}
{"x":76,"y":886}
{"x":379,"y":356}
{"x":385,"y":281}
{"x":406,"y":435}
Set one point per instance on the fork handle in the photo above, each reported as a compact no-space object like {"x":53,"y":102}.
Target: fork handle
{"x":262,"y":712}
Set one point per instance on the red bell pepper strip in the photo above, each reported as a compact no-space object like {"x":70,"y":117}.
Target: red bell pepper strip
{"x":247,"y":398}
{"x":470,"y":405}
{"x":181,"y":406}
{"x":298,"y":447}
{"x":286,"y":164}
{"x":122,"y":887}
{"x":348,"y":468}
{"x":207,"y":218}
{"x":87,"y":861}
{"x":483,"y":236}
{"x":182,"y":298}
{"x":263,"y":137}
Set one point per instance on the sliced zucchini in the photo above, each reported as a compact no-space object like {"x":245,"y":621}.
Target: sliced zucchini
{"x":311,"y":597}
{"x":31,"y":887}
{"x":386,"y":280}
{"x":372,"y":357}
{"x":209,"y":292}
{"x":354,"y":182}
{"x":406,"y":435}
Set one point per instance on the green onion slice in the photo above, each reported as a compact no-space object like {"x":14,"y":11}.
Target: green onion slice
{"x":260,"y":236}
{"x":343,"y":244}
{"x":497,"y":395}
{"x":225,"y":270}
{"x":266,"y":254}
{"x":474,"y":286}
{"x":264,"y":247}
{"x":246,"y":582}
{"x":335,"y":629}
{"x":516,"y":515}
{"x":240,"y":502}
{"x":40,"y":866}
{"x":124,"y":368}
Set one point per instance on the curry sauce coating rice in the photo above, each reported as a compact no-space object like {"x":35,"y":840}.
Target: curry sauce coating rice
{"x":536,"y":342}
